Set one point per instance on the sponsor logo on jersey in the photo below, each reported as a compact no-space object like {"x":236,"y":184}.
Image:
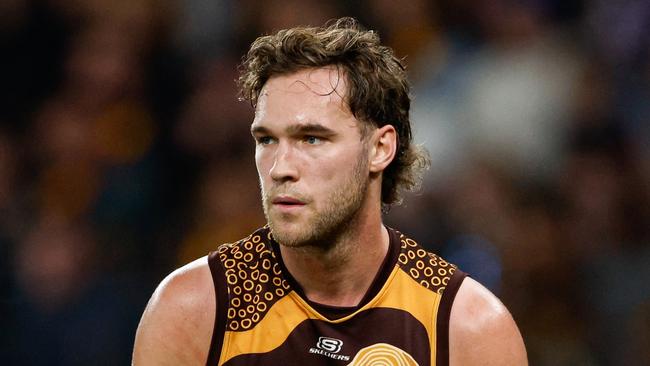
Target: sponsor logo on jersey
{"x":329,"y":347}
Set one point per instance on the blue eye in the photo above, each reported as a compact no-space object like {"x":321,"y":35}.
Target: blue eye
{"x":313,"y":140}
{"x":264,"y":140}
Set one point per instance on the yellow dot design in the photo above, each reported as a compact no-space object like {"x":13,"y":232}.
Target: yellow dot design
{"x":254,"y":279}
{"x":428,"y":269}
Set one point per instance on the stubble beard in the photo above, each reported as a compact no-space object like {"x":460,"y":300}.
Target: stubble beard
{"x":339,"y":213}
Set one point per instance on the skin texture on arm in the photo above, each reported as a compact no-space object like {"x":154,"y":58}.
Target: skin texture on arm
{"x":176,"y":327}
{"x":482,"y":331}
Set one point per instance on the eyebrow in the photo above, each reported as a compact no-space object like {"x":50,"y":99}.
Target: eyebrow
{"x":298,"y":129}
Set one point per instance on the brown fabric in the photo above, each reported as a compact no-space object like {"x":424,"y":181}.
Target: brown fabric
{"x":221,"y":291}
{"x":444,"y":314}
{"x":392,"y":326}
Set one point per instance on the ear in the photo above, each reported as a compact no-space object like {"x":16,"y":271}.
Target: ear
{"x":383,"y":148}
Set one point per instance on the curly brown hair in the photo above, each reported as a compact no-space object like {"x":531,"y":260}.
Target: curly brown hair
{"x":377,"y":93}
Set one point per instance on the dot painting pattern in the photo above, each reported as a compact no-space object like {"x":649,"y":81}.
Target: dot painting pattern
{"x":428,"y":269}
{"x":254,"y":280}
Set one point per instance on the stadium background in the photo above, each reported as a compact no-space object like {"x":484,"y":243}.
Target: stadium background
{"x":124,"y":154}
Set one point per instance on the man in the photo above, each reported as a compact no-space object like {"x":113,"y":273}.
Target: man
{"x":325,"y":282}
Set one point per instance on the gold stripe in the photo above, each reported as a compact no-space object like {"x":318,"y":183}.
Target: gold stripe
{"x":399,"y":292}
{"x":408,"y":295}
{"x":281,"y":319}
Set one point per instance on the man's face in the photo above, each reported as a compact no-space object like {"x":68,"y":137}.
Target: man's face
{"x":310,"y":156}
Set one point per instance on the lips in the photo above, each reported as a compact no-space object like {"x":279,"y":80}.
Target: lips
{"x":287,"y":201}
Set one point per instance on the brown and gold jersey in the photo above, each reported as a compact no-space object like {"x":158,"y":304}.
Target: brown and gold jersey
{"x":264,"y":318}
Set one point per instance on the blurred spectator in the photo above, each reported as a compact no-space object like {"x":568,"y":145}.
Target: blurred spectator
{"x":69,"y":310}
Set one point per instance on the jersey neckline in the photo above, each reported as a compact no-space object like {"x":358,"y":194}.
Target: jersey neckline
{"x":332,"y":312}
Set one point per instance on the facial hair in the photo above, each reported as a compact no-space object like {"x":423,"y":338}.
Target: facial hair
{"x":338,"y":213}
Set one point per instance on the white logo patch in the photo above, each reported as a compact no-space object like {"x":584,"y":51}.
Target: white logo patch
{"x":329,"y":347}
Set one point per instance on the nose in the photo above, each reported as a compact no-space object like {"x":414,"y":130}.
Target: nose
{"x":284,"y":164}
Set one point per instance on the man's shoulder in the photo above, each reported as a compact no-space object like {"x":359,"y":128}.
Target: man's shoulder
{"x":188,"y":286}
{"x":482,"y":331}
{"x":177,"y":324}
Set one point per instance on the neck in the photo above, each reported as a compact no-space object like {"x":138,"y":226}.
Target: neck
{"x":340,"y":273}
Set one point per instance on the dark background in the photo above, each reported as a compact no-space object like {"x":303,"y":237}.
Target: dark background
{"x":124,"y":154}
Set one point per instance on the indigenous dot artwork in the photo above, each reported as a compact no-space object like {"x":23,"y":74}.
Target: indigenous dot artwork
{"x":254,"y":280}
{"x":428,"y":269}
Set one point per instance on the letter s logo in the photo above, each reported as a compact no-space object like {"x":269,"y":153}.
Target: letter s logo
{"x":331,"y":345}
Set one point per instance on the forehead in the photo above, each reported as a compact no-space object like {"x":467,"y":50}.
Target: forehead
{"x":310,"y":95}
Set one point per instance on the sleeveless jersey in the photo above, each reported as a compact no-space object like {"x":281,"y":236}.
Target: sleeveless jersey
{"x":263,"y":317}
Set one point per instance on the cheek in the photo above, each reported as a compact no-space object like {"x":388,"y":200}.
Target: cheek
{"x":261,"y":163}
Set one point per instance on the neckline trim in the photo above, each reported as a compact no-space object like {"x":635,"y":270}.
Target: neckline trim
{"x":332,"y":312}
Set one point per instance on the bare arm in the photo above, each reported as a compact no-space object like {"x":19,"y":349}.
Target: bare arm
{"x":176,"y":327}
{"x":482,"y":331}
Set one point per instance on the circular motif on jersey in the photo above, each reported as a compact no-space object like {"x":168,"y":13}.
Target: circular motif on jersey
{"x":266,"y":264}
{"x":255,"y":274}
{"x":248,"y":245}
{"x":264,"y":278}
{"x":428,"y":272}
{"x":256,"y":317}
{"x":424,"y":283}
{"x":231,"y":278}
{"x":223,"y":256}
{"x":256,"y":299}
{"x":256,"y":239}
{"x":246,"y":323}
{"x":402,"y":258}
{"x":433,"y":262}
{"x":421,"y":253}
{"x":258,"y":288}
{"x":436,"y":281}
{"x":419,"y":265}
{"x":248,"y":257}
{"x":276,"y":269}
{"x":259,"y":247}
{"x":268,"y":296}
{"x":248,"y":297}
{"x":411,"y":243}
{"x":249,"y":285}
{"x":235,"y":302}
{"x":237,"y":290}
{"x":411,"y":254}
{"x":441,"y":290}
{"x":250,"y":309}
{"x":285,"y":284}
{"x":442,"y":271}
{"x":243,"y":274}
{"x":443,"y":263}
{"x":231,"y":313}
{"x":241,"y":313}
{"x":277,"y":281}
{"x":445,"y":281}
{"x":414,"y":273}
{"x":238,"y":255}
{"x":234,"y":325}
{"x":279,"y":292}
{"x":382,"y":354}
{"x":261,"y":307}
{"x":229,"y":263}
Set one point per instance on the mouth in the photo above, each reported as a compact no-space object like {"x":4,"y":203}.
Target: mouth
{"x":287,"y":201}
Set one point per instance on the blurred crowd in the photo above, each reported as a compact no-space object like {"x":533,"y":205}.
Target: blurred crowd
{"x":124,"y":153}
